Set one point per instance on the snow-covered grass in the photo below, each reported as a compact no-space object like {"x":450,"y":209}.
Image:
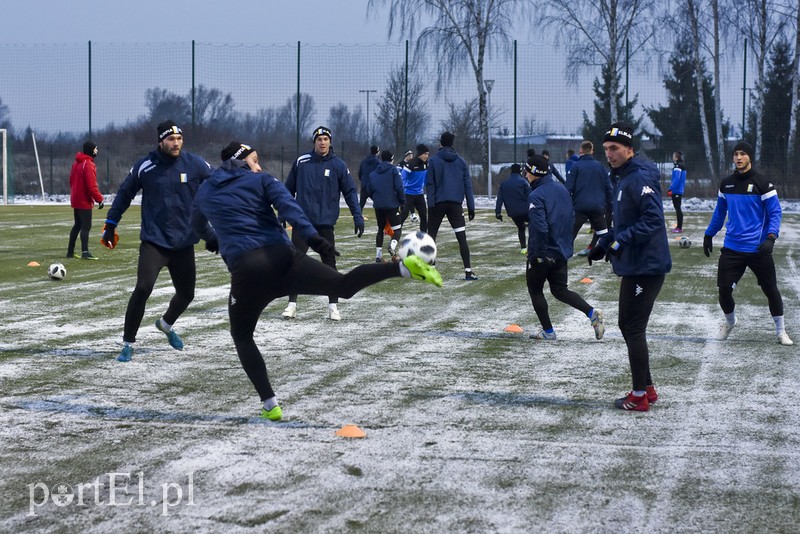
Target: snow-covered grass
{"x":469,"y":428}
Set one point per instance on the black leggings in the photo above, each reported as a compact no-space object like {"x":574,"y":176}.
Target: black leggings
{"x":522,"y":225}
{"x":676,"y":203}
{"x":152,"y":258}
{"x":83,"y":223}
{"x":418,"y":202}
{"x":390,"y":215}
{"x":261,"y":275}
{"x":556,"y":275}
{"x":455,"y":216}
{"x":637,"y":295}
{"x":325,"y":232}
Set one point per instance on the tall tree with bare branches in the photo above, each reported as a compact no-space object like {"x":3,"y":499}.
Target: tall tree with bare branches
{"x":595,"y":34}
{"x":459,"y":35}
{"x":795,"y":109}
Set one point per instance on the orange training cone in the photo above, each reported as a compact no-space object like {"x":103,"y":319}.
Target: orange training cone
{"x":351,"y":431}
{"x":34,"y":264}
{"x":586,"y":281}
{"x":515,"y":328}
{"x":387,"y":229}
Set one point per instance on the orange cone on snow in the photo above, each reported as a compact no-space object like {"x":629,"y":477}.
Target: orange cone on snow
{"x":351,"y":431}
{"x":514,"y":328}
{"x":586,"y":281}
{"x":34,"y":264}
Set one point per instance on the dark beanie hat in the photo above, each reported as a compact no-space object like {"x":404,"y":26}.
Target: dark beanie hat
{"x":387,"y":155}
{"x":374,"y":149}
{"x":537,"y":165}
{"x":89,"y":148}
{"x":167,"y":128}
{"x":236,"y":150}
{"x":421,"y":149}
{"x":322,"y":130}
{"x":745,"y":147}
{"x":447,"y":139}
{"x":516,"y":168}
{"x":619,"y":133}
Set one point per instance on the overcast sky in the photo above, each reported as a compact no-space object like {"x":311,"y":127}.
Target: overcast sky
{"x":262,"y":21}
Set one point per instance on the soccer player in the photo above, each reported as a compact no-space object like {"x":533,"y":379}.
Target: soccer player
{"x":368,"y":164}
{"x":750,"y":202}
{"x":447,"y":184}
{"x":413,"y":174}
{"x":590,"y":187}
{"x":168,"y":179}
{"x":83,"y":193}
{"x":638,"y":249}
{"x":550,"y":218}
{"x":317,"y":180}
{"x":238,"y":201}
{"x":676,"y":187}
{"x":385,"y":187}
{"x":513,"y":192}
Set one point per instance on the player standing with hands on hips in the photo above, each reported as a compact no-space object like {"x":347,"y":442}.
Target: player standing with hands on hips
{"x":238,"y":201}
{"x":168,"y":178}
{"x":638,"y":249}
{"x":750,"y":203}
{"x":317,"y":180}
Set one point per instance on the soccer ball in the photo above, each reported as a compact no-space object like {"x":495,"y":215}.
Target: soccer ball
{"x":418,"y":244}
{"x":57,"y":271}
{"x":684,"y":242}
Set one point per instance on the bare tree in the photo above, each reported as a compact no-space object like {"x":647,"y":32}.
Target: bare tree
{"x":396,"y":125}
{"x":795,"y":109}
{"x":761,"y":22}
{"x":287,"y":115}
{"x":163,"y":104}
{"x":212,"y":108}
{"x":720,"y":139}
{"x":5,"y":115}
{"x":458,"y":35}
{"x":595,"y":33}
{"x":694,"y":14}
{"x":347,"y":125}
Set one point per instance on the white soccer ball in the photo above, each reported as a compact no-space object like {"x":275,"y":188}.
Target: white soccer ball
{"x":418,"y":244}
{"x":684,"y":242}
{"x":57,"y":271}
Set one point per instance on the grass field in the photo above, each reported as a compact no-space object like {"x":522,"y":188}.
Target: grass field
{"x":469,"y":429}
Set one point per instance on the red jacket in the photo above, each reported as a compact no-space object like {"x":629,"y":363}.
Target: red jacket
{"x":83,"y":183}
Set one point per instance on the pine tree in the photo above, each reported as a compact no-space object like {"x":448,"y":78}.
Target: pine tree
{"x":596,"y":128}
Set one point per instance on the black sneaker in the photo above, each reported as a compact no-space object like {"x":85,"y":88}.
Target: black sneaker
{"x":87,"y":256}
{"x":469,"y":275}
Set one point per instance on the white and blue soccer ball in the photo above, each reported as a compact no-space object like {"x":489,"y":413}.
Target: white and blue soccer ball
{"x":418,"y":244}
{"x":57,"y":271}
{"x":684,"y":242}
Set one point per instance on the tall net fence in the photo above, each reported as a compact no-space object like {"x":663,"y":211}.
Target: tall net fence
{"x":274,"y":95}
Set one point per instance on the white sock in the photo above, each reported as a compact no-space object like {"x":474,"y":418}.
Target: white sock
{"x":270,"y":403}
{"x":404,"y":272}
{"x":165,"y":325}
{"x":638,"y":393}
{"x":291,"y":305}
{"x":731,"y":318}
{"x":378,"y":252}
{"x":779,"y":324}
{"x":331,"y":305}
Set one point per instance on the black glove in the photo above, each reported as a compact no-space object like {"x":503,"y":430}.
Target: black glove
{"x":498,"y":217}
{"x":212,"y":245}
{"x":359,"y":231}
{"x":109,"y":240}
{"x":322,"y":246}
{"x":596,"y":254}
{"x":768,"y":244}
{"x":471,"y":214}
{"x":708,"y":246}
{"x":612,"y":250}
{"x":100,"y":205}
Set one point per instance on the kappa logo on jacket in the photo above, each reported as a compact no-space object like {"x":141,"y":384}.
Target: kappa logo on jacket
{"x":646,"y":190}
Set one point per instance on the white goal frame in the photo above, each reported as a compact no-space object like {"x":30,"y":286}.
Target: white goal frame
{"x":4,"y":164}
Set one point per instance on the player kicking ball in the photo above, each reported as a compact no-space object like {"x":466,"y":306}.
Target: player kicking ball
{"x":237,"y":200}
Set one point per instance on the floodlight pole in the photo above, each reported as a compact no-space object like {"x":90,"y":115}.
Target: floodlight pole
{"x":368,"y":91}
{"x":489,"y":84}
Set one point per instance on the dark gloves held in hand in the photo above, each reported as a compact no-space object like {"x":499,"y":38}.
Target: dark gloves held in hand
{"x":212,"y":245}
{"x":767,"y":245}
{"x":359,"y":230}
{"x":101,"y":205}
{"x":708,"y":246}
{"x":471,"y":214}
{"x":323,"y":247}
{"x":596,"y":254}
{"x":109,"y":238}
{"x":498,"y":217}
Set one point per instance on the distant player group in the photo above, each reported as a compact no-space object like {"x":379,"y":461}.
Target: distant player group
{"x":233,"y":209}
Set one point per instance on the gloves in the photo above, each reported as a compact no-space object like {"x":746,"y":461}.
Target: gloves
{"x":110,"y":237}
{"x":323,"y":247}
{"x":768,"y":244}
{"x":498,"y":217}
{"x":359,"y":231}
{"x":471,"y":214}
{"x":612,"y":250}
{"x":596,"y":254}
{"x":708,"y":245}
{"x":212,"y":245}
{"x":100,"y":205}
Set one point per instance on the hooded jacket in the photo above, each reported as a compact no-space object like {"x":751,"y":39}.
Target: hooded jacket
{"x":385,"y":187}
{"x":413,"y":175}
{"x":317,"y":181}
{"x":238,"y":203}
{"x":448,"y":179}
{"x":168,"y":188}
{"x":83,"y":191}
{"x":678,"y":178}
{"x":368,"y":164}
{"x":513,"y":192}
{"x":750,"y":203}
{"x":638,"y":222}
{"x":550,"y":219}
